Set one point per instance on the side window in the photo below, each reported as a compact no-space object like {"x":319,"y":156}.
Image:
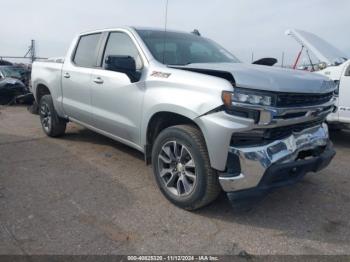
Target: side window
{"x":347,"y":71}
{"x":85,"y":54}
{"x":121,"y":44}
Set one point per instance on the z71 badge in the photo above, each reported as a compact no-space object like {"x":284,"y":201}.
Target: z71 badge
{"x":160,"y":74}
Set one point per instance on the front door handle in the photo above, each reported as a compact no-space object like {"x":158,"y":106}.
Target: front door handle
{"x":98,"y":80}
{"x":66,"y":75}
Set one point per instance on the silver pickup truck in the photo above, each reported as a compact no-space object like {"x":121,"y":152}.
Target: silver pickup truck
{"x":204,"y":120}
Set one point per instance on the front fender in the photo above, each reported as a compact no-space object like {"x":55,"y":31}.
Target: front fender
{"x":198,"y":96}
{"x":164,"y":107}
{"x":185,"y":93}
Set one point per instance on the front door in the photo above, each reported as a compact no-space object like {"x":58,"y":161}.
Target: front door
{"x":116,"y":100}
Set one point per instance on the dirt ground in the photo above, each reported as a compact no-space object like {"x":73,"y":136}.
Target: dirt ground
{"x":86,"y":194}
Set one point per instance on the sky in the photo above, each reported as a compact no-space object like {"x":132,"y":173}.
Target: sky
{"x":241,"y":26}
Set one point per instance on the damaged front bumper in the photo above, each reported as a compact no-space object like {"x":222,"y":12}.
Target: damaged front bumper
{"x":255,"y":148}
{"x":278,"y":163}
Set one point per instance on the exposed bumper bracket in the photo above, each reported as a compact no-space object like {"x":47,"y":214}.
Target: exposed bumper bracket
{"x":256,"y":161}
{"x":279,"y":175}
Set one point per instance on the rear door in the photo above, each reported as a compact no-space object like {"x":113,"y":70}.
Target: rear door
{"x":76,"y":78}
{"x":344,"y":96}
{"x":116,"y":100}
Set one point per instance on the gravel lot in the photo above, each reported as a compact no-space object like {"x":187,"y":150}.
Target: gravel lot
{"x":87,"y":194}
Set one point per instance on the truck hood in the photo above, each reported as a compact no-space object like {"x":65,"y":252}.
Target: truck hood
{"x":323,"y":50}
{"x":268,"y":78}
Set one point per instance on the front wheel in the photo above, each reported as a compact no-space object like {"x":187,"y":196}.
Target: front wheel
{"x":182,"y":169}
{"x":51,"y":123}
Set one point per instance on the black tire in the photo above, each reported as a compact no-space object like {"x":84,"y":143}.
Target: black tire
{"x":34,"y":108}
{"x":206,"y":188}
{"x":57,"y":126}
{"x":335,"y":127}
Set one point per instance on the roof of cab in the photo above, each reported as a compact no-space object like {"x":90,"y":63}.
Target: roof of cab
{"x":129,"y":28}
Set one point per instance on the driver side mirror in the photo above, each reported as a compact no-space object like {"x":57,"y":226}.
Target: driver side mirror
{"x":122,"y":64}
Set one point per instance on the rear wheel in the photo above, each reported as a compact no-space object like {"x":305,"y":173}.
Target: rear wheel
{"x":182,"y":169}
{"x":51,"y":123}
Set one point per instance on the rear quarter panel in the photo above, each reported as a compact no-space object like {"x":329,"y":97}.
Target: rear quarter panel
{"x":49,"y":75}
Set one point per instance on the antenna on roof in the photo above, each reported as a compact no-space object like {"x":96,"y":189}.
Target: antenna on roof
{"x":165,"y":28}
{"x":195,"y":32}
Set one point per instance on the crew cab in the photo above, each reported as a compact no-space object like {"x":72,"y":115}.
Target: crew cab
{"x":204,"y":120}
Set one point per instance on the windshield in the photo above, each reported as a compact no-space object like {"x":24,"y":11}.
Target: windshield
{"x":173,"y":48}
{"x":10,"y":72}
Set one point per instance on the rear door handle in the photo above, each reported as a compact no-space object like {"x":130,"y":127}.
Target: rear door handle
{"x":66,"y":75}
{"x":98,"y":80}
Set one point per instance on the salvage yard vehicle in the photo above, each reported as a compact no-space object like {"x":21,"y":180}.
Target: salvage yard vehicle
{"x":14,"y":85}
{"x":16,"y":72}
{"x":204,"y":120}
{"x":334,"y":64}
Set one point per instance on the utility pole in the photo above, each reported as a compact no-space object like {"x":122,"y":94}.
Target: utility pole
{"x":31,"y":51}
{"x":30,"y":54}
{"x":282,"y":64}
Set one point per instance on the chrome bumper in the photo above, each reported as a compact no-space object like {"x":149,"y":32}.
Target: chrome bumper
{"x":254,"y":161}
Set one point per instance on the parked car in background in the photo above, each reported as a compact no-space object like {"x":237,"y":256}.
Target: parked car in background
{"x":14,"y":85}
{"x":334,"y":64}
{"x":16,"y":71}
{"x":10,"y":71}
{"x":4,"y":62}
{"x":204,"y":120}
{"x":24,"y":72}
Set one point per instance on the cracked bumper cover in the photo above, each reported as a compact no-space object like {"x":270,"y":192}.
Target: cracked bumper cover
{"x":277,"y":164}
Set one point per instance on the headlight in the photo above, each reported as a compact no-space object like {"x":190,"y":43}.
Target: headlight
{"x":247,"y":96}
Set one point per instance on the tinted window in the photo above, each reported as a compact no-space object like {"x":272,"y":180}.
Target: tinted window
{"x":175,"y":48}
{"x":85,"y":54}
{"x":121,"y":44}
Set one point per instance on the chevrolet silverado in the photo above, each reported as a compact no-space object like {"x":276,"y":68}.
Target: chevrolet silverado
{"x":204,"y":120}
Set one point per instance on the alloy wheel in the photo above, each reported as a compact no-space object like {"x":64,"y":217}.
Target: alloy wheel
{"x":45,"y":116}
{"x":177,"y":168}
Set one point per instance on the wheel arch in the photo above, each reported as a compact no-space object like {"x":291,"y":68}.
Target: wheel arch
{"x":42,"y":87}
{"x":157,"y":122}
{"x":40,"y":91}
